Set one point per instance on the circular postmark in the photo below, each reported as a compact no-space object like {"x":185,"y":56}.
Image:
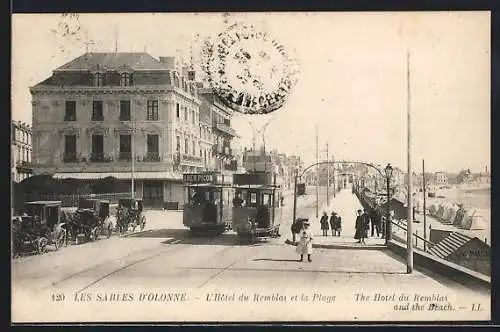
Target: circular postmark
{"x":249,"y":70}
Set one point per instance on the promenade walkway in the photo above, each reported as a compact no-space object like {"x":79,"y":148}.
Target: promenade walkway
{"x":345,"y":204}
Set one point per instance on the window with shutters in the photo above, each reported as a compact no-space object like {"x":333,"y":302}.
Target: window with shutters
{"x":125,"y":147}
{"x":124,"y":110}
{"x":70,"y":111}
{"x":153,"y":146}
{"x":97,"y":110}
{"x":97,"y":148}
{"x":152,"y":110}
{"x":69,"y":148}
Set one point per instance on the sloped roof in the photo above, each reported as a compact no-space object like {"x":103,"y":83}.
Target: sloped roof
{"x":449,"y":245}
{"x":94,"y":61}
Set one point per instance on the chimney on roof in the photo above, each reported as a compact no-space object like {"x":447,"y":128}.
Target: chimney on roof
{"x":189,"y":73}
{"x":169,"y":62}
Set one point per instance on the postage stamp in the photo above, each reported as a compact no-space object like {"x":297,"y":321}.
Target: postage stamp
{"x":249,"y":70}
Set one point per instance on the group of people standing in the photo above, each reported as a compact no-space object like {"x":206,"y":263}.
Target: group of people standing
{"x":334,"y":222}
{"x":363,"y":221}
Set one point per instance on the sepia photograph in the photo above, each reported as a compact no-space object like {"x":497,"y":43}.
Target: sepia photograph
{"x":251,"y":167}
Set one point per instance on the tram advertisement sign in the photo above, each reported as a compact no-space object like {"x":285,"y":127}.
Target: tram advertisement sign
{"x":198,"y":177}
{"x":255,"y":178}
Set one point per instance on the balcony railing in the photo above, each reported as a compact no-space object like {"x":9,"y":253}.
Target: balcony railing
{"x":69,"y":157}
{"x":125,"y":156}
{"x":97,"y":157}
{"x":152,"y":157}
{"x":24,"y":166}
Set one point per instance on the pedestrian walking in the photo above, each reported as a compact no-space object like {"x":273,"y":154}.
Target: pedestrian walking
{"x":366,"y":218}
{"x":324,"y":223}
{"x":305,"y":243}
{"x":333,"y":218}
{"x":360,"y":227}
{"x":376,"y":220}
{"x":338,"y":224}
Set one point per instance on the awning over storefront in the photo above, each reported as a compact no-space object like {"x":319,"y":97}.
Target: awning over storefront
{"x":121,"y":176}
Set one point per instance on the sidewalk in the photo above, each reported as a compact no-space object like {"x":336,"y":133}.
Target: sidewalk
{"x":344,"y":204}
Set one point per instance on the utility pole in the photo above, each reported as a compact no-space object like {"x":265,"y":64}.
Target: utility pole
{"x":409,"y":231}
{"x":132,"y":148}
{"x":334,"y":185}
{"x":424,"y":190}
{"x":317,"y":174}
{"x":327,"y":177}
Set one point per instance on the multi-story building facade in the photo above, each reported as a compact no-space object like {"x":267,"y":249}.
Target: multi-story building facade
{"x":125,"y":115}
{"x":216,"y":133}
{"x":21,"y":150}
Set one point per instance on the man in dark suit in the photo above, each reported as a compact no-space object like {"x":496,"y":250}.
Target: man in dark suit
{"x":376,"y":220}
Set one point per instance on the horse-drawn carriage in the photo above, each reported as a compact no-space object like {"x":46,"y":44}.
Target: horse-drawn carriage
{"x":89,"y":221}
{"x":129,"y":214}
{"x":257,"y":212}
{"x":39,"y":226}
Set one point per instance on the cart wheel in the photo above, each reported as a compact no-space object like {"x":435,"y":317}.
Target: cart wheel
{"x":42,"y":245}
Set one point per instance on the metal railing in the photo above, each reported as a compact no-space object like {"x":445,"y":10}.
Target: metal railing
{"x":69,"y":157}
{"x":152,"y":157}
{"x":415,"y":236}
{"x":125,"y":156}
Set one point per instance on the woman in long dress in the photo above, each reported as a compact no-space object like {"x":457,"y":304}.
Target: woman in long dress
{"x":360,"y":226}
{"x":305,"y":243}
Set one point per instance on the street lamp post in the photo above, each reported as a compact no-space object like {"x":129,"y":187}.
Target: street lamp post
{"x":388,"y":222}
{"x":295,"y":194}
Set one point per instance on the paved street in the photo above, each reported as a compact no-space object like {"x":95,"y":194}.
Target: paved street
{"x":130,"y":278}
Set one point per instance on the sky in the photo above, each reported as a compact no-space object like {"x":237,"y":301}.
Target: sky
{"x":352,"y":86}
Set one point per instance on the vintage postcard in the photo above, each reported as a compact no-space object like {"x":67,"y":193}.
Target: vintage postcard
{"x":251,"y":167}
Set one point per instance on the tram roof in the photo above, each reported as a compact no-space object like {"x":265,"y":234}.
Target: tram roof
{"x":207,"y":185}
{"x":256,"y":186}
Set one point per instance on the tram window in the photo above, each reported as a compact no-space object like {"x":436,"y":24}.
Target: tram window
{"x":266,"y":199}
{"x":253,"y":198}
{"x":216,"y":195}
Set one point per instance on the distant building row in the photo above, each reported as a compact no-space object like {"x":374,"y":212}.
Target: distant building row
{"x":21,"y":150}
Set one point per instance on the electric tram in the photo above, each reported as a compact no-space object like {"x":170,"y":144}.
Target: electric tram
{"x":256,"y":206}
{"x":208,"y":208}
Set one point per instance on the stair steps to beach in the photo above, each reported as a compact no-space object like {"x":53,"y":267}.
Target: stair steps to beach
{"x":449,"y":245}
